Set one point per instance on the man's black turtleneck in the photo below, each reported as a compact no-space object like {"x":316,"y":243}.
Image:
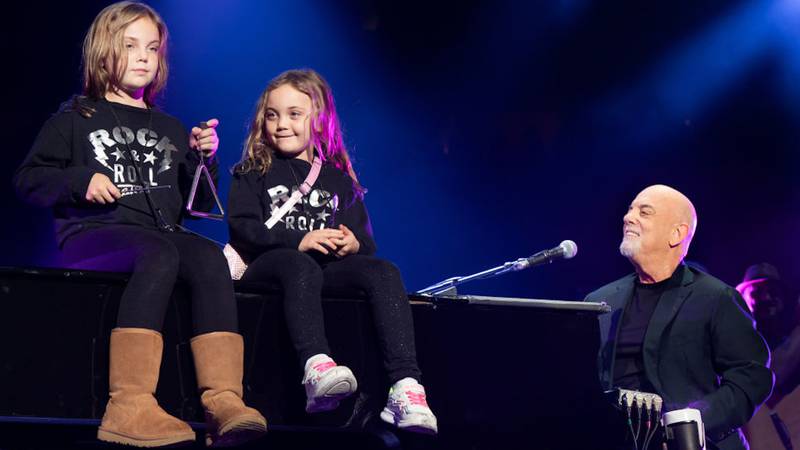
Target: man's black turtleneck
{"x":629,"y":370}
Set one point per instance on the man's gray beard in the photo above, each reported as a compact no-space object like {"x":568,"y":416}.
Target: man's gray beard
{"x":629,"y":249}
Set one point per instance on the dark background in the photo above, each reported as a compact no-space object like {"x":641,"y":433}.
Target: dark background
{"x":484,"y":130}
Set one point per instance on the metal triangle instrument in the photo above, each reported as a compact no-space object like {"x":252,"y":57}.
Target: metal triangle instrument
{"x":201,"y":169}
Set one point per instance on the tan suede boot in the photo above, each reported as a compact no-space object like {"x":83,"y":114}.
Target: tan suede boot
{"x":132,"y":415}
{"x":219,"y":361}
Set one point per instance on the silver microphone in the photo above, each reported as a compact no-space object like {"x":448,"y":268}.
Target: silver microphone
{"x":565,"y":250}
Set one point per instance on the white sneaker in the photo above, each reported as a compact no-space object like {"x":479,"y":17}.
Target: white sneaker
{"x":326,"y":383}
{"x":408,"y":409}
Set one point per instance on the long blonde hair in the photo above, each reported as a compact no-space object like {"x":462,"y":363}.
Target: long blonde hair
{"x":326,"y":132}
{"x":104,"y":46}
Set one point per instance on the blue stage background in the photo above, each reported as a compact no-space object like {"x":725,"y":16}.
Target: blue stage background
{"x":485,"y":131}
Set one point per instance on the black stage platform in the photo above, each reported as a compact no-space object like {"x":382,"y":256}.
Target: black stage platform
{"x":499,"y":372}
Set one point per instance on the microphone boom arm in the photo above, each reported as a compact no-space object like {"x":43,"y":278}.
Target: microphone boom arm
{"x":565,"y":250}
{"x":448,"y":286}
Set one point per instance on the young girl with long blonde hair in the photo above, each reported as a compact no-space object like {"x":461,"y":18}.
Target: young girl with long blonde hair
{"x":116,"y":171}
{"x":297,"y":217}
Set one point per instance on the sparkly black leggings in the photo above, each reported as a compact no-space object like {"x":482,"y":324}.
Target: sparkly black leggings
{"x":155,"y":260}
{"x":302,"y":279}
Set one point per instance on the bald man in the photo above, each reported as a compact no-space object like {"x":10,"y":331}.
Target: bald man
{"x":677,"y":331}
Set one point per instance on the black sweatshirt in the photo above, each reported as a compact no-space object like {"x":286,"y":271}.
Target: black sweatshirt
{"x":71,"y":148}
{"x":332,"y":201}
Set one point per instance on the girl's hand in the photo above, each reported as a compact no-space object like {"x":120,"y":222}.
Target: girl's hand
{"x":205,"y":140}
{"x":320,"y":240}
{"x":348,"y":244}
{"x":101,"y":190}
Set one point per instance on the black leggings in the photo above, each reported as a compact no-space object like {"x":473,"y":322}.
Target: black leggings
{"x":302,"y":279}
{"x":155,"y":260}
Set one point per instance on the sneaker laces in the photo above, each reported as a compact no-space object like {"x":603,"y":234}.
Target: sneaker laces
{"x":409,"y":394}
{"x":314,"y":373}
{"x":416,"y":398}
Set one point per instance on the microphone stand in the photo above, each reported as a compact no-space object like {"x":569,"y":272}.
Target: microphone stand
{"x":448,"y":287}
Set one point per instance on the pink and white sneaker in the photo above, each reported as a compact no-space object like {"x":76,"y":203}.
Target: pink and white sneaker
{"x":407,"y":408}
{"x":326,"y":383}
